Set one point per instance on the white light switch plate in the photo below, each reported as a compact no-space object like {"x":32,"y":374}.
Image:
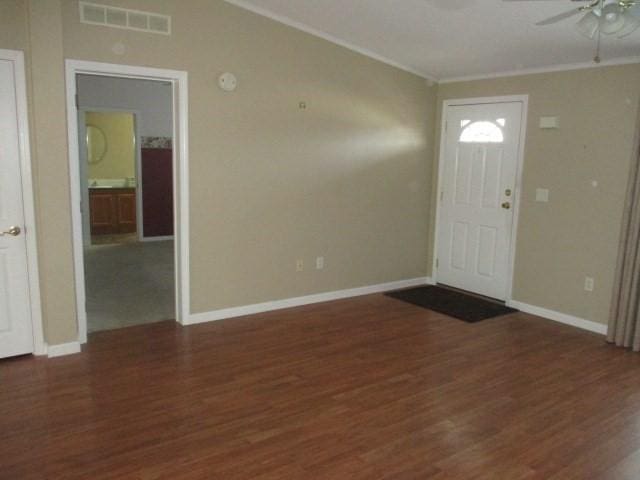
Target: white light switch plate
{"x":542,"y":195}
{"x":549,"y":122}
{"x":589,"y":284}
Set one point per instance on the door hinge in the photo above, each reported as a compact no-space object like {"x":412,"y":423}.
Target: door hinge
{"x":446,"y":126}
{"x":77,"y":102}
{"x":442,"y":195}
{"x":437,"y":263}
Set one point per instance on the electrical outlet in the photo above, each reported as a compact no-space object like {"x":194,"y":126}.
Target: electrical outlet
{"x":319,"y":263}
{"x":299,"y":265}
{"x":589,"y":284}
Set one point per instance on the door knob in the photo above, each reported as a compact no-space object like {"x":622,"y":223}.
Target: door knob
{"x":506,"y":205}
{"x":15,"y":231}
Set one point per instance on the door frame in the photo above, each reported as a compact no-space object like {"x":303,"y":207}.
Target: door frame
{"x":28,"y":204}
{"x":524,"y":99}
{"x":137,"y":163}
{"x":179,"y":82}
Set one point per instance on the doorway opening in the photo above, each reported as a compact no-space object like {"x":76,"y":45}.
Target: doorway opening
{"x":128,"y":160}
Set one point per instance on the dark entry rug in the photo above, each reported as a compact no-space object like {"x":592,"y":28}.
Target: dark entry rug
{"x":455,"y":304}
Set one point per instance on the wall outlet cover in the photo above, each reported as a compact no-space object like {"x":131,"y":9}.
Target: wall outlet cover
{"x":542,"y":195}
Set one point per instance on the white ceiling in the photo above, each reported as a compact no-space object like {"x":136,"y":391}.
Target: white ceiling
{"x":446,"y":39}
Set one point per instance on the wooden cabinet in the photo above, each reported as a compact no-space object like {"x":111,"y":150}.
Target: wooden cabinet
{"x":112,"y":210}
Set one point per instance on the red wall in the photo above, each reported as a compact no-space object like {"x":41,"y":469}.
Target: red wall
{"x":157,"y":192}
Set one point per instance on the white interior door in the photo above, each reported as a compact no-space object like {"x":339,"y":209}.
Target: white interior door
{"x":479,"y":168}
{"x":16,"y":336}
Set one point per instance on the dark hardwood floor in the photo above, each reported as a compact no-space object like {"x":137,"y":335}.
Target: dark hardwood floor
{"x":365,"y":388}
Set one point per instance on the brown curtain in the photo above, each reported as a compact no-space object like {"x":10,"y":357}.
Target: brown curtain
{"x":624,"y":320}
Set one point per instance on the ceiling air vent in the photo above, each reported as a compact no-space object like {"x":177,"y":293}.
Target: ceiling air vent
{"x":108,"y":16}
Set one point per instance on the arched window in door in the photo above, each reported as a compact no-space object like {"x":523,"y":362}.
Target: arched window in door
{"x":482,"y":132}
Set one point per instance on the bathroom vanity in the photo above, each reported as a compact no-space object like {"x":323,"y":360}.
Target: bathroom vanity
{"x":113,"y":210}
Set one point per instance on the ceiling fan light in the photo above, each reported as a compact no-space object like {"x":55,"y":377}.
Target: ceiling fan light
{"x":631,"y":24}
{"x":588,"y":25}
{"x":612,"y":19}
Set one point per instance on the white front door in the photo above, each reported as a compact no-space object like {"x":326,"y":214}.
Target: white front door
{"x":477,"y":192}
{"x":15,"y":313}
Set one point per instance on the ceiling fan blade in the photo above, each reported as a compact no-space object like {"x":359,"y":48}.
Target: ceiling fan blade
{"x":544,"y":0}
{"x":635,"y":9}
{"x":560,"y":17}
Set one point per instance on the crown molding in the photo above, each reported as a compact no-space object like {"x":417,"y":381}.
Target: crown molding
{"x":247,"y":5}
{"x":552,"y":68}
{"x":326,"y":36}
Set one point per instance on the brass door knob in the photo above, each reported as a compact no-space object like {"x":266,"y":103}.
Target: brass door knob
{"x":15,"y":231}
{"x":506,"y":205}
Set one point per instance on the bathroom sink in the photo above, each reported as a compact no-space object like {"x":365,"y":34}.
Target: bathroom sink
{"x":111,"y":182}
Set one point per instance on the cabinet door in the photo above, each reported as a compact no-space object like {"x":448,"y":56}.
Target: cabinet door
{"x":102,"y":213}
{"x":126,"y":212}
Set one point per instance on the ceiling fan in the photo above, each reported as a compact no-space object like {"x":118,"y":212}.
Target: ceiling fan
{"x":610,"y":17}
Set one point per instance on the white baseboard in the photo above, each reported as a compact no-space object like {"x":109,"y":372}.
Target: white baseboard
{"x":157,"y":239}
{"x":559,"y":317}
{"x":306,"y":300}
{"x":63,"y":349}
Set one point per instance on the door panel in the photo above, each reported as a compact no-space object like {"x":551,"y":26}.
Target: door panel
{"x":491,"y":175}
{"x":5,"y":320}
{"x":486,"y":251}
{"x":15,"y":314}
{"x":479,"y":166}
{"x":126,"y":212}
{"x":103,"y":213}
{"x":459,"y":242}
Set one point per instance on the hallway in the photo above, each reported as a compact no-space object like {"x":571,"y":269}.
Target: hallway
{"x":129,"y":284}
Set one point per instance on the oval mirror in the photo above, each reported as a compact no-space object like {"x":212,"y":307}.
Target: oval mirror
{"x":96,"y":144}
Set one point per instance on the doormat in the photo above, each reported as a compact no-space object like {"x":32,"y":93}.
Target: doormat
{"x":455,"y":304}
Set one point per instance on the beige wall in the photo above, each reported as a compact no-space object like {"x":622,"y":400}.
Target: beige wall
{"x":13,"y":24}
{"x":350,"y":178}
{"x":35,"y":27}
{"x":119,"y":159}
{"x":347,"y":178}
{"x":575,"y":234}
{"x":49,"y":139}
